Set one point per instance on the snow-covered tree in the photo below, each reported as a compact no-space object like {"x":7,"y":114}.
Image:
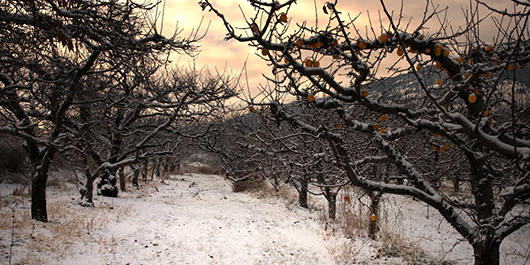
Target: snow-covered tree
{"x":450,"y":96}
{"x":61,"y":59}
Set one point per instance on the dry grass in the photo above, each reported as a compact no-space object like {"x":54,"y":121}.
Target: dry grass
{"x":254,"y":184}
{"x":69,"y":226}
{"x":353,"y":219}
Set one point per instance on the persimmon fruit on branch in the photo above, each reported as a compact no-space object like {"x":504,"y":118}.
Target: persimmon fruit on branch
{"x":453,"y":85}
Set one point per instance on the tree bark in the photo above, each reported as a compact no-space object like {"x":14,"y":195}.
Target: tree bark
{"x":144,"y":169}
{"x":374,"y":210}
{"x":40,"y":167}
{"x":136,"y":171}
{"x":87,"y":190}
{"x":302,"y":194}
{"x":121,"y":173}
{"x":38,"y":196}
{"x":486,"y":253}
{"x":332,"y":203}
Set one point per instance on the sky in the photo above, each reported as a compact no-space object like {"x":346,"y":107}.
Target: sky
{"x":231,"y":56}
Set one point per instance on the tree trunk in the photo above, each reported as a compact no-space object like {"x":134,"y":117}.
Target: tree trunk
{"x":135,"y":176}
{"x":144,"y":170}
{"x":40,"y":169}
{"x":38,"y":196}
{"x":332,"y":204}
{"x":486,"y":254}
{"x":156,"y":169}
{"x":121,"y":173}
{"x":302,"y":194}
{"x":87,"y":190}
{"x":374,"y":210}
{"x":456,"y":182}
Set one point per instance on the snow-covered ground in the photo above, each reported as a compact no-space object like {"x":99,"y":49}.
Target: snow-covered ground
{"x":197,"y":219}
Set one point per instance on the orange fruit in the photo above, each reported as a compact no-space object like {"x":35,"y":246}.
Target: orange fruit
{"x":447,"y":52}
{"x":436,"y":135}
{"x":486,"y":113}
{"x":509,"y":67}
{"x":418,"y":67}
{"x":299,"y":43}
{"x":311,"y":98}
{"x":383,"y":38}
{"x":373,"y":218}
{"x":364,"y":93}
{"x":265,"y":52}
{"x":335,"y":56}
{"x":283,"y":17}
{"x":361,"y":45}
{"x":337,"y":125}
{"x":316,"y":64}
{"x":435,"y":147}
{"x":318,"y":44}
{"x":308,"y":63}
{"x":254,"y":27}
{"x":382,"y":131}
{"x":437,"y":52}
{"x":446,"y":146}
{"x":459,"y":60}
{"x":438,"y":66}
{"x":286,"y":60}
{"x":400,"y":52}
{"x":427,"y":50}
{"x":439,"y":82}
{"x":380,"y":118}
{"x":489,"y":49}
{"x":472,"y":98}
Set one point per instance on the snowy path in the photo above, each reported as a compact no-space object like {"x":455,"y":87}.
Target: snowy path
{"x":198,"y":220}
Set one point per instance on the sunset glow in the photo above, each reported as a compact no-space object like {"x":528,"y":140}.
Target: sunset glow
{"x":216,"y":54}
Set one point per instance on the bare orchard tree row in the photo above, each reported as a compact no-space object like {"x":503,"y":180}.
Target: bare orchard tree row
{"x":90,"y":79}
{"x":461,"y":116}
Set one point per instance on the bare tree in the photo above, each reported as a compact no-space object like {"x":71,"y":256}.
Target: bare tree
{"x":49,"y":50}
{"x":464,"y":100}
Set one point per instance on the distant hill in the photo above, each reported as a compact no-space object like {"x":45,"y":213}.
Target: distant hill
{"x":406,"y":86}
